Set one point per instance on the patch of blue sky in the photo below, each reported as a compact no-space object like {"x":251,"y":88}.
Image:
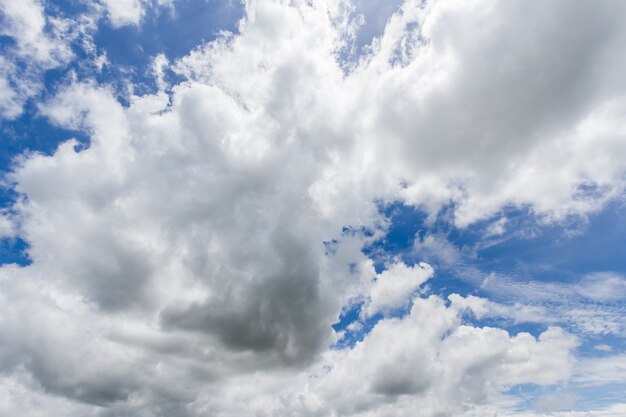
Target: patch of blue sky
{"x":14,"y":251}
{"x":559,"y":252}
{"x":600,"y":346}
{"x":409,"y":223}
{"x":6,"y":42}
{"x":373,"y":16}
{"x":527,"y":395}
{"x":405,"y":223}
{"x":172,"y":31}
{"x":59,"y":8}
{"x":598,"y":396}
{"x":528,"y":249}
{"x":566,"y":397}
{"x":354,"y":326}
{"x":527,"y":252}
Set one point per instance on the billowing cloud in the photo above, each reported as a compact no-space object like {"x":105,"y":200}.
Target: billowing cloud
{"x":178,"y":260}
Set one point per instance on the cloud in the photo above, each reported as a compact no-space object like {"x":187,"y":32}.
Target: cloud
{"x":603,"y":348}
{"x":608,"y":369}
{"x":26,"y":22}
{"x":496,"y":228}
{"x":436,"y":249}
{"x":40,"y":42}
{"x":484,"y":140}
{"x":603,"y":286}
{"x":570,"y":305}
{"x":429,"y":361}
{"x":517,"y":312}
{"x":555,"y":402}
{"x":124,"y":12}
{"x":393,"y":288}
{"x":179,"y":265}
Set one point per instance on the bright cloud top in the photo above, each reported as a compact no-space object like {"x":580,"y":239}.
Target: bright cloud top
{"x":178,"y":260}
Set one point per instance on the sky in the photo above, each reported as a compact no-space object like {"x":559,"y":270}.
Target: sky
{"x":312,"y":208}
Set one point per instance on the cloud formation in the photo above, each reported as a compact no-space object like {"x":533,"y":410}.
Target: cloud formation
{"x":178,"y":261}
{"x":40,"y":43}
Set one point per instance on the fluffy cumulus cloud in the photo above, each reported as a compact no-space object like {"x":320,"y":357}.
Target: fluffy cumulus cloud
{"x":179,"y":264}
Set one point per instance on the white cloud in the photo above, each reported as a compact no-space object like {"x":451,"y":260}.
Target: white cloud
{"x":496,"y":228}
{"x":493,"y":114}
{"x":564,"y":303}
{"x":10,"y":101}
{"x":26,"y":22}
{"x":482,"y":307}
{"x":603,"y":370}
{"x":41,"y":42}
{"x":555,"y":402}
{"x":181,"y":254}
{"x":124,"y":12}
{"x":436,"y":248}
{"x":603,"y":348}
{"x":159,"y":65}
{"x":603,"y":286}
{"x":394,"y":287}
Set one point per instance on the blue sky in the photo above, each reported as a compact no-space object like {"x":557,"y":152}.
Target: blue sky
{"x":221,"y":203}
